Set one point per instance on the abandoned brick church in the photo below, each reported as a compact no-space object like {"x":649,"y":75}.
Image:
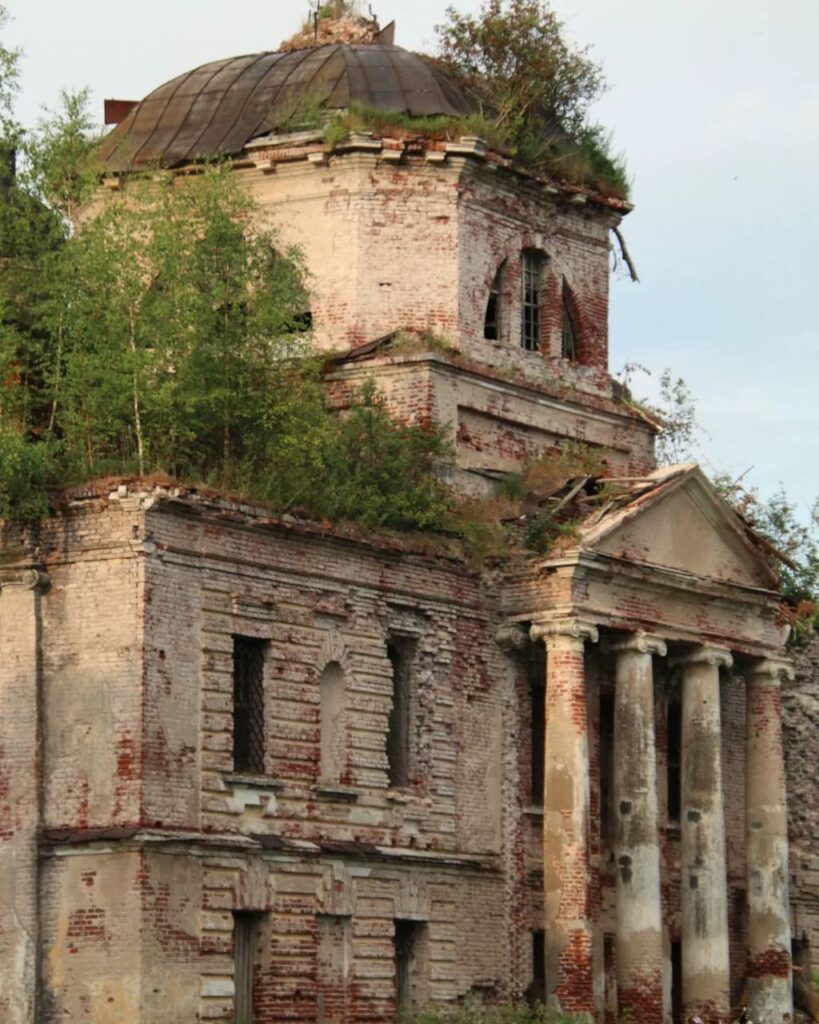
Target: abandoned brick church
{"x":254,"y":768}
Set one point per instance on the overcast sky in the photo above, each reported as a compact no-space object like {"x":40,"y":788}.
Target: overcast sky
{"x":716,"y":106}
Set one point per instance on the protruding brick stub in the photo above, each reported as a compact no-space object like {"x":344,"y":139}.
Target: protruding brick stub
{"x":28,"y":579}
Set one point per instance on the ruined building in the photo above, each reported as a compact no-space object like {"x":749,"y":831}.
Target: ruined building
{"x":254,"y":768}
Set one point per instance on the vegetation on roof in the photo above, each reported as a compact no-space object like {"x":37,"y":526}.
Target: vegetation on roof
{"x":532,"y":92}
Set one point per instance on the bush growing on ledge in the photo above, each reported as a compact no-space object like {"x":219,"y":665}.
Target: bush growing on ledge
{"x":535,"y":87}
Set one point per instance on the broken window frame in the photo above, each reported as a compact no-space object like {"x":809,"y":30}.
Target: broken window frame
{"x":493,"y":318}
{"x":533,"y":274}
{"x":249,"y":740}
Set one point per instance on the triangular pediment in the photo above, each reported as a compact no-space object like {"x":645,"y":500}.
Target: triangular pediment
{"x":682,"y":524}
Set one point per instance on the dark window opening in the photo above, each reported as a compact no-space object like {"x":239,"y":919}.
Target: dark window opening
{"x":303,"y":321}
{"x":532,"y":309}
{"x":606,"y":764}
{"x":537,"y":990}
{"x":248,"y":704}
{"x":245,"y":933}
{"x":398,"y":732}
{"x":537,"y":704}
{"x":408,"y":937}
{"x":676,"y":983}
{"x":569,"y":342}
{"x":674,"y":757}
{"x":610,"y":975}
{"x":492,"y":320}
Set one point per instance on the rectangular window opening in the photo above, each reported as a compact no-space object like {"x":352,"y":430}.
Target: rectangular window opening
{"x":245,"y":936}
{"x":674,"y":757}
{"x":409,"y":939}
{"x":400,"y":653}
{"x":676,"y":983}
{"x":537,"y":705}
{"x":532,"y":308}
{"x":537,"y":990}
{"x":248,"y":704}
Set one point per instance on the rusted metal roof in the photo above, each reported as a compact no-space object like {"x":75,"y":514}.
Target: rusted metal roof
{"x":215,"y":110}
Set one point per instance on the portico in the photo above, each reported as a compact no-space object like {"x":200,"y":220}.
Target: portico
{"x":696,"y":629}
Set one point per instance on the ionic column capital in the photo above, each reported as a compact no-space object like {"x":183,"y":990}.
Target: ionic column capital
{"x":640,"y":642}
{"x":771,"y":670}
{"x":26,"y":579}
{"x":705,"y":654}
{"x":568,"y":629}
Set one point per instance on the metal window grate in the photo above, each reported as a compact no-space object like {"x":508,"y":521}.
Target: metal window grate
{"x":531,"y":324}
{"x":248,"y":704}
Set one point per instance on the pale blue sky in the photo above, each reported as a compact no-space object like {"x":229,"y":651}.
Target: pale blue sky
{"x":714,"y":102}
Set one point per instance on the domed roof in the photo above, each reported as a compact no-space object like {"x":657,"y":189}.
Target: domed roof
{"x":216,"y":109}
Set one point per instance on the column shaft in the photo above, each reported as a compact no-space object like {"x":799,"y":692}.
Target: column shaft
{"x":567,"y":870}
{"x":769,"y":993}
{"x":636,"y":842}
{"x":705,"y":955}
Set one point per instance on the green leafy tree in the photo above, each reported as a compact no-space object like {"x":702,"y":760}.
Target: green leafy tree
{"x":167,"y":333}
{"x":536,"y":86}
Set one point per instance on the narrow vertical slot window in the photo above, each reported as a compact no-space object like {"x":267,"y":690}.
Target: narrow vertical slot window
{"x":569,"y":339}
{"x":398,"y":732}
{"x":248,"y":704}
{"x":245,"y":930}
{"x":674,"y":757}
{"x":492,"y":319}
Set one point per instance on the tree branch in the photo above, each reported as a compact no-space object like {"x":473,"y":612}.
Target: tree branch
{"x":629,"y":262}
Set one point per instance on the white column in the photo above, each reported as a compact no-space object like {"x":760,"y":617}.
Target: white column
{"x":705,"y":955}
{"x":639,"y":933}
{"x":567,"y":870}
{"x":768,"y":968}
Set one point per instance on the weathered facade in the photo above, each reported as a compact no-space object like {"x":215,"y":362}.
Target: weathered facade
{"x":252,"y":768}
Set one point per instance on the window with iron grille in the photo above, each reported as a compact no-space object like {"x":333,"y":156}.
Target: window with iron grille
{"x":531,"y":323}
{"x":569,"y":343}
{"x":248,"y":704}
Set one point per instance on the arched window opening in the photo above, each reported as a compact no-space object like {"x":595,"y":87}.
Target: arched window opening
{"x":531,"y":321}
{"x":492,"y":319}
{"x":332,"y":724}
{"x":569,"y":344}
